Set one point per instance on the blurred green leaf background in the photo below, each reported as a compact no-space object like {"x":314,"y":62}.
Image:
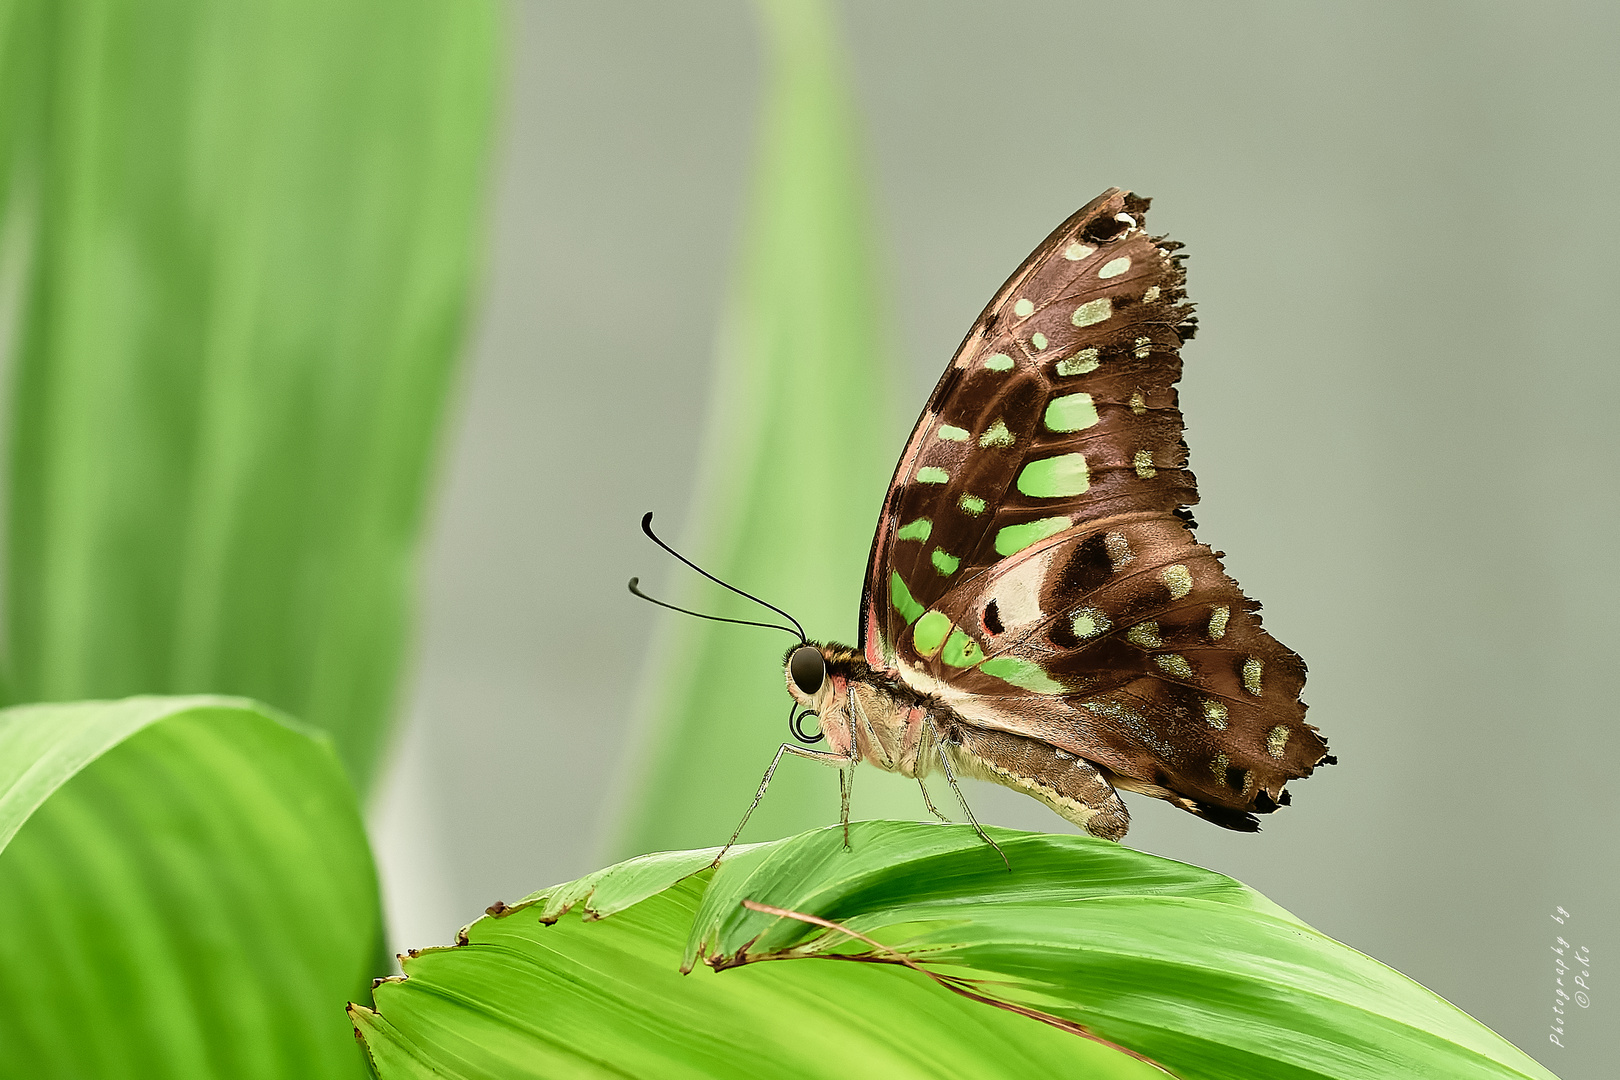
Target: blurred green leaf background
{"x":800,"y":433}
{"x":238,"y":244}
{"x":241,"y":240}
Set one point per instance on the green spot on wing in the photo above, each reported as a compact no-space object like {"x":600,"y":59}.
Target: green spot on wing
{"x":972,"y":504}
{"x":1092,"y":311}
{"x":952,"y":433}
{"x":1174,"y":664}
{"x":1021,"y":673}
{"x":998,"y":362}
{"x":1089,"y":622}
{"x":1055,"y":477}
{"x":945,"y":562}
{"x":996,"y":435}
{"x":1071,"y":412}
{"x":917,"y":530}
{"x":900,"y":597}
{"x":1081,"y":362}
{"x":930,"y":632}
{"x":928,"y":474}
{"x":1011,"y":539}
{"x":961,"y":650}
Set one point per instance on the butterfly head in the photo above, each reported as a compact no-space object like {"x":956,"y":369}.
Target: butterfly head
{"x":820,"y":679}
{"x":804,"y":669}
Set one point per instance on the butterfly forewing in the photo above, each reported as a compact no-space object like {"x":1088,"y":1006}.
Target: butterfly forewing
{"x":1059,"y":408}
{"x":1034,"y":567}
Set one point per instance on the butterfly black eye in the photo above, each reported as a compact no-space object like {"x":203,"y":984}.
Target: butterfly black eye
{"x":808,"y":669}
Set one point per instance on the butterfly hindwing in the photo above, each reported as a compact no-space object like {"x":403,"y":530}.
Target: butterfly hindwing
{"x":1132,"y":648}
{"x":1034,"y":568}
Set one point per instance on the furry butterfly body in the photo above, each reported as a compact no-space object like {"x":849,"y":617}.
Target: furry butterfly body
{"x":1037,"y":611}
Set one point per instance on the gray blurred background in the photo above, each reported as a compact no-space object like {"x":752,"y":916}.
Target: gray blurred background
{"x":1401,"y":221}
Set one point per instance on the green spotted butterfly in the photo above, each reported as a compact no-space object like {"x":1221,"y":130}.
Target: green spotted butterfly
{"x":1036,"y":610}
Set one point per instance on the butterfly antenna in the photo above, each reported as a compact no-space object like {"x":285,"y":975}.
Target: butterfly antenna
{"x":646,"y":527}
{"x":635,"y":587}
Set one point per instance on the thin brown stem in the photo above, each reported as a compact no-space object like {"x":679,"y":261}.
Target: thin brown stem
{"x":954,"y":984}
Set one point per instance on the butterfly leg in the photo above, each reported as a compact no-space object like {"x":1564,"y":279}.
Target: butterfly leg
{"x":932,"y":809}
{"x":836,"y":760}
{"x":845,"y":790}
{"x":843,"y":802}
{"x":945,"y":761}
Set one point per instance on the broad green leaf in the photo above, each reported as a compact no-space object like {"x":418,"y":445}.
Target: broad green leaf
{"x":800,"y":440}
{"x":1191,"y":969}
{"x":247,"y":234}
{"x":185,"y":891}
{"x":606,"y":999}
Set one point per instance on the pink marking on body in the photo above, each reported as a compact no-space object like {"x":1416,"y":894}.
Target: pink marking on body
{"x":835,"y":717}
{"x":913,"y":734}
{"x":874,"y":636}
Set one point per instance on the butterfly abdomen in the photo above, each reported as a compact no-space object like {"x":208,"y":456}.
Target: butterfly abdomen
{"x":1072,"y":786}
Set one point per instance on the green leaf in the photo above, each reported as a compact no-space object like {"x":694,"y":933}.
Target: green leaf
{"x":185,"y":891}
{"x":606,"y":998}
{"x":247,"y":235}
{"x":1192,"y":969}
{"x":799,"y":445}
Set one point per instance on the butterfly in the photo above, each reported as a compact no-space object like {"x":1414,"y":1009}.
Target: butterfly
{"x":1036,"y":610}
